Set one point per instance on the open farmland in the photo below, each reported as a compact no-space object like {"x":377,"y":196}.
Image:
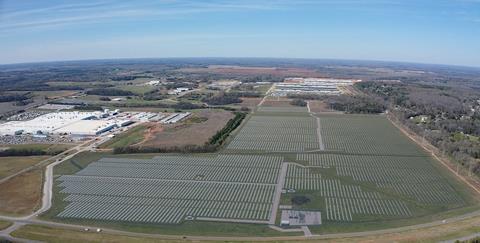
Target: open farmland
{"x":167,"y":189}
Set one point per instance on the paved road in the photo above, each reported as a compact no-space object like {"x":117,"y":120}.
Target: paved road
{"x":319,"y":134}
{"x":266,"y":95}
{"x":47,"y":190}
{"x":278,"y":192}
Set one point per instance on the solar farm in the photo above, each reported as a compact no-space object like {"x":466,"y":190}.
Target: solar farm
{"x":169,"y":189}
{"x":354,"y":168}
{"x":277,"y":134}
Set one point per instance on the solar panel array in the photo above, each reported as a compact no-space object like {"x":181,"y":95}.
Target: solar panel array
{"x":277,"y":133}
{"x":370,"y":151}
{"x":166,"y":189}
{"x":361,"y":134}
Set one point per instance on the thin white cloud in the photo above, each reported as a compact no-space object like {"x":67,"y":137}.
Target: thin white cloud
{"x":94,"y":12}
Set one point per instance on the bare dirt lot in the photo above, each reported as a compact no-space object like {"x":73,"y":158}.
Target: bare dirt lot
{"x":319,"y":106}
{"x":21,"y":194}
{"x":277,"y":103}
{"x":250,"y":102}
{"x":196,"y":130}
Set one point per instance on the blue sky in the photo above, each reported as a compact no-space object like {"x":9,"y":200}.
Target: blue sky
{"x":437,"y":31}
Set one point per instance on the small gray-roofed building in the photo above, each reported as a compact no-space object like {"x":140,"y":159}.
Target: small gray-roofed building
{"x":300,"y":218}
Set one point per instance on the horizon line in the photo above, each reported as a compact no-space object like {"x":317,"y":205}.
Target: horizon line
{"x":234,"y":57}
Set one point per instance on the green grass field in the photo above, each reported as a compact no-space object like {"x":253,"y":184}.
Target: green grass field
{"x":130,"y":137}
{"x":40,"y":146}
{"x":11,"y":165}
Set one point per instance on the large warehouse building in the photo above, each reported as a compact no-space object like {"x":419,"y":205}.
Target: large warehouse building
{"x":72,"y":123}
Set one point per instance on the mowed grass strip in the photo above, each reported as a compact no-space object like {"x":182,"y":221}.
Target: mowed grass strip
{"x":50,"y":234}
{"x":130,"y":137}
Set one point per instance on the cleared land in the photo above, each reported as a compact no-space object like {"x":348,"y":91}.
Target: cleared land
{"x":292,"y":109}
{"x":195,"y":130}
{"x":21,"y":194}
{"x":280,"y":102}
{"x":250,"y":102}
{"x":319,"y":106}
{"x":10,"y":165}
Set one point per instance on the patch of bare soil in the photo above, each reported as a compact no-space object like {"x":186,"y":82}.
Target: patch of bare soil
{"x":196,"y":130}
{"x":22,"y":194}
{"x":250,"y":102}
{"x":277,"y":103}
{"x":319,"y":106}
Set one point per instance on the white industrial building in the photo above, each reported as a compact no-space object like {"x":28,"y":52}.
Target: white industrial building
{"x":174,"y":118}
{"x":87,"y":127}
{"x":178,"y":91}
{"x":72,"y":123}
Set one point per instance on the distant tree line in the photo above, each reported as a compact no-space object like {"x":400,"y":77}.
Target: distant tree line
{"x":88,"y":107}
{"x":220,"y":137}
{"x":356,"y":104}
{"x":222,"y":99}
{"x":166,"y":149}
{"x":306,"y":96}
{"x":154,"y":95}
{"x":298,"y":102}
{"x":28,"y":152}
{"x":5,"y":97}
{"x":248,"y":94}
{"x":129,"y":77}
{"x":109,"y":92}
